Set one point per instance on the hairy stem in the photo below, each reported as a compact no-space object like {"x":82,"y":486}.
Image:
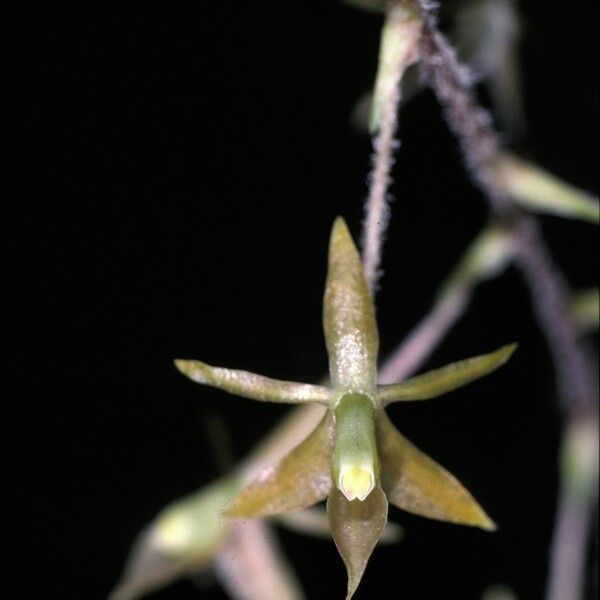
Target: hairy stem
{"x":452,"y":83}
{"x":377,"y":204}
{"x":549,"y":293}
{"x":400,"y":39}
{"x":480,"y":145}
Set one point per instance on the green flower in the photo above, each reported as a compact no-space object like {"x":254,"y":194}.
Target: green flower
{"x":355,"y":458}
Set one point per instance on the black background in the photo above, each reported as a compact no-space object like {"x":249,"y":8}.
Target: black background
{"x":175,"y":169}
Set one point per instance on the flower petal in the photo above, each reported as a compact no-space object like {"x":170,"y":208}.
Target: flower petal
{"x":439,"y":381}
{"x":315,"y":522}
{"x":348,"y":316}
{"x":250,"y":385}
{"x":302,"y":478}
{"x":356,"y":528}
{"x":416,"y":483}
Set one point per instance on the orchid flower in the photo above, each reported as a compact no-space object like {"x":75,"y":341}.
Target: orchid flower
{"x":355,"y":458}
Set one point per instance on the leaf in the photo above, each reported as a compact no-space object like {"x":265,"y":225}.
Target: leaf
{"x":302,"y":478}
{"x":439,"y":381}
{"x":356,"y":528}
{"x":348,"y":316}
{"x":250,"y":385}
{"x":416,"y":483}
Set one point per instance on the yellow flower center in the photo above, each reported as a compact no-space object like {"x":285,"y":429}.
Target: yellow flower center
{"x":356,"y":482}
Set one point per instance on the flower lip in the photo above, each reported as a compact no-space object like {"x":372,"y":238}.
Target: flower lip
{"x":356,"y":483}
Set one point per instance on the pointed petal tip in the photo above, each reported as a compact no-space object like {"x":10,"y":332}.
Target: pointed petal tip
{"x":339,"y":224}
{"x":340,"y":232}
{"x":491,"y":528}
{"x":353,"y":583}
{"x":478,"y":518}
{"x":509,"y":349}
{"x":416,"y":483}
{"x":356,"y":528}
{"x":190,"y":369}
{"x":183,"y":366}
{"x":505,"y":352}
{"x":488,"y":525}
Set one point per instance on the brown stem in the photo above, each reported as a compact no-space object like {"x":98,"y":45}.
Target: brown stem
{"x":480,"y":145}
{"x":549,"y":293}
{"x":470,"y":123}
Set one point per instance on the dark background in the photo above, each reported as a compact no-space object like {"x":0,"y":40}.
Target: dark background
{"x":175,"y":169}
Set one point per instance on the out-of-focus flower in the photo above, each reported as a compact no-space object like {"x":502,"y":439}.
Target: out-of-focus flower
{"x":584,"y":309}
{"x":355,"y":458}
{"x":537,"y":190}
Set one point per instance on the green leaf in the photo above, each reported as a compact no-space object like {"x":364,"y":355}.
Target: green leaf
{"x":348,"y":316}
{"x":302,"y":478}
{"x":416,"y":483}
{"x":250,"y":385}
{"x":439,"y":381}
{"x":356,"y":528}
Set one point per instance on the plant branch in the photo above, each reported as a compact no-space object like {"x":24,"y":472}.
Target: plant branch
{"x":470,"y":123}
{"x":549,"y":293}
{"x":377,"y":204}
{"x":418,"y":345}
{"x":480,"y":144}
{"x":400,"y":39}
